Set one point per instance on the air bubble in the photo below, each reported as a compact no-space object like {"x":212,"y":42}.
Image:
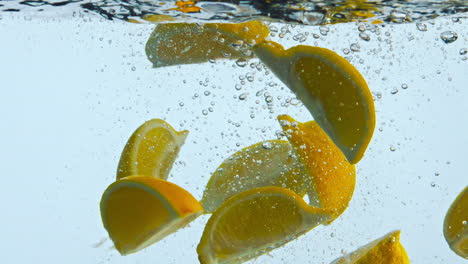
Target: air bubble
{"x":449,"y":36}
{"x":243,"y":96}
{"x":421,"y":26}
{"x":404,"y":86}
{"x":241,"y":62}
{"x":364,"y":36}
{"x":463,"y":51}
{"x":355,"y":47}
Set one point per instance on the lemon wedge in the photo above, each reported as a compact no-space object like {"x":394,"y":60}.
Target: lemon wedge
{"x":267,"y":163}
{"x":385,"y":250}
{"x":138,"y":211}
{"x":254,"y":222}
{"x":151,"y":150}
{"x":332,"y":90}
{"x":187,"y":43}
{"x":456,"y":225}
{"x":333,"y":177}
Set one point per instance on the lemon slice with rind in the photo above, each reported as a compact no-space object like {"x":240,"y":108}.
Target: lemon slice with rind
{"x":332,"y":90}
{"x":187,"y":43}
{"x":138,"y":211}
{"x":385,"y":250}
{"x":333,"y":177}
{"x":254,"y":222}
{"x":267,"y":163}
{"x":456,"y":225}
{"x":151,"y":150}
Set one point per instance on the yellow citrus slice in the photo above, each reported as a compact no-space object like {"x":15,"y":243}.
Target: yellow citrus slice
{"x":187,"y":43}
{"x":456,"y":225}
{"x":332,"y":90}
{"x":385,"y":250}
{"x":267,"y":163}
{"x":254,"y":222}
{"x":138,"y":211}
{"x":333,"y":177}
{"x":151,"y":150}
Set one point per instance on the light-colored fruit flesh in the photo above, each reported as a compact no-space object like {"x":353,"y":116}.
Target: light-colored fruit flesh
{"x":333,"y":177}
{"x":151,"y":150}
{"x":385,"y":250}
{"x":186,"y":43}
{"x":456,"y":225}
{"x":254,"y":222}
{"x":331,"y":88}
{"x":267,"y":163}
{"x":138,"y":211}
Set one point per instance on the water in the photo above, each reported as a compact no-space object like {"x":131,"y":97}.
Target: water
{"x":75,"y":87}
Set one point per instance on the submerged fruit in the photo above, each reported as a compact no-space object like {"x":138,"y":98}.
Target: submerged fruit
{"x":138,"y":211}
{"x":151,"y":150}
{"x":186,"y":43}
{"x":267,"y":163}
{"x":331,"y":88}
{"x":385,"y":250}
{"x":456,"y":225}
{"x":254,"y":222}
{"x":333,"y":177}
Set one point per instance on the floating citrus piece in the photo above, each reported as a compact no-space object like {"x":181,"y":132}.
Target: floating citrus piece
{"x":185,"y":43}
{"x":456,"y":225}
{"x":385,"y":250}
{"x":151,"y":150}
{"x":333,"y":177}
{"x":138,"y":211}
{"x":331,"y":88}
{"x":268,"y":163}
{"x":254,"y":222}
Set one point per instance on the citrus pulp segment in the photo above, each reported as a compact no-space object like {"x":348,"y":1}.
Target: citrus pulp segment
{"x":332,"y":90}
{"x":138,"y":211}
{"x":333,"y":177}
{"x":187,"y":43}
{"x":151,"y":150}
{"x":385,"y":250}
{"x":254,"y":222}
{"x":456,"y":225}
{"x":267,"y":163}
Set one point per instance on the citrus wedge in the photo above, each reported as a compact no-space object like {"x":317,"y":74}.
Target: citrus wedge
{"x":385,"y":250}
{"x":267,"y":163}
{"x":151,"y":150}
{"x":138,"y":211}
{"x":254,"y":222}
{"x":456,"y":225}
{"x":185,"y":43}
{"x":333,"y":177}
{"x":332,"y":90}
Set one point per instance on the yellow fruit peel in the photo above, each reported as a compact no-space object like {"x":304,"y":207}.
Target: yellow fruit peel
{"x":188,"y":43}
{"x":254,"y":222}
{"x":151,"y":150}
{"x":331,"y":88}
{"x":138,"y":211}
{"x":385,"y":250}
{"x":333,"y":177}
{"x":456,"y":225}
{"x":267,"y":163}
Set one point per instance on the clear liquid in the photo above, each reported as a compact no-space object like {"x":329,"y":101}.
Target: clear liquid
{"x":74,"y":89}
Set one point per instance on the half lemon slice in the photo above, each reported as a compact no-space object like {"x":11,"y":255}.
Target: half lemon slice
{"x":385,"y":250}
{"x":187,"y":43}
{"x":151,"y":150}
{"x":254,"y":222}
{"x":456,"y":225}
{"x":331,"y":88}
{"x":333,"y":177}
{"x":138,"y":211}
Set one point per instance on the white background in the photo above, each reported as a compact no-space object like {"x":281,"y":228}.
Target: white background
{"x":70,"y":99}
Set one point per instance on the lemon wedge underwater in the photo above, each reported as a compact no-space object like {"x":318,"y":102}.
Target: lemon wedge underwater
{"x":267,"y":163}
{"x":151,"y":150}
{"x":138,"y":211}
{"x":332,"y":90}
{"x":254,"y":222}
{"x":333,"y":177}
{"x":186,"y":43}
{"x":456,"y":225}
{"x":385,"y":250}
